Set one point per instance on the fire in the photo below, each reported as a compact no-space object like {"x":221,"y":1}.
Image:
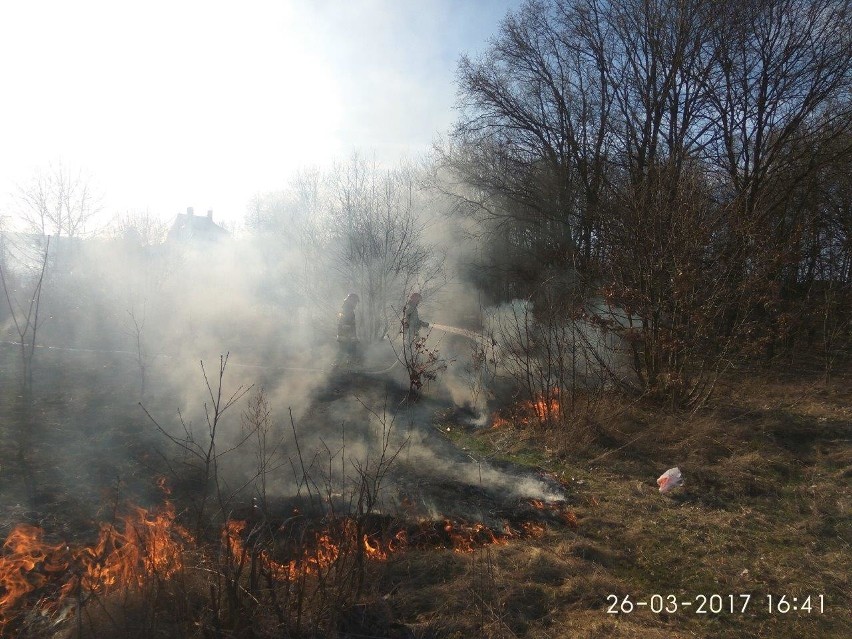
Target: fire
{"x":142,"y":545}
{"x":460,"y":537}
{"x":320,"y":556}
{"x":380,"y":547}
{"x":147,"y":544}
{"x":544,"y":409}
{"x":498,"y":421}
{"x":467,"y":537}
{"x":162,"y":484}
{"x":26,"y":565}
{"x":374,"y":550}
{"x":557,"y":509}
{"x":533,"y":529}
{"x":546,"y":406}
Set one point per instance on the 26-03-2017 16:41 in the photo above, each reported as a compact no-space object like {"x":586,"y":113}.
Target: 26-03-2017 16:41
{"x":717,"y":604}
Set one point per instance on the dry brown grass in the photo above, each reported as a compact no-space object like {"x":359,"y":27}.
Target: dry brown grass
{"x":765,"y":510}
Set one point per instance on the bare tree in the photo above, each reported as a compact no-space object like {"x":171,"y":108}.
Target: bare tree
{"x":780,"y":97}
{"x":290,"y":231}
{"x":140,"y":227}
{"x":357,"y":228}
{"x":204,"y":453}
{"x":781,"y":70}
{"x":664,"y":139}
{"x":25,"y":316}
{"x":535,"y":135}
{"x":379,"y":243}
{"x":58,"y":201}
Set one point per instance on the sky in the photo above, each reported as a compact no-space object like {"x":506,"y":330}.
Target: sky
{"x":164,"y":105}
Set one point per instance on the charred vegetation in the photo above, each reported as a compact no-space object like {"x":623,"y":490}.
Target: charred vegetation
{"x":634,"y":252}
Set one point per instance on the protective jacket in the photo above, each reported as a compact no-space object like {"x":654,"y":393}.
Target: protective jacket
{"x":346,"y":325}
{"x":411,"y":321}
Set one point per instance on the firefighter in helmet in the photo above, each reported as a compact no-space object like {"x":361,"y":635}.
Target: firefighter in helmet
{"x":411,"y":322}
{"x":347,"y":336}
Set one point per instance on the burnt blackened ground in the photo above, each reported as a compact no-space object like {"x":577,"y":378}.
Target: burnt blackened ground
{"x":82,"y":446}
{"x":76,"y":447}
{"x":765,"y":509}
{"x":430,"y":477}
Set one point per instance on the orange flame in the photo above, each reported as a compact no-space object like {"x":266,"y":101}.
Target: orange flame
{"x":313,"y":560}
{"x":545,"y":408}
{"x":559,"y":509}
{"x":381,"y":547}
{"x":533,"y":529}
{"x":143,"y":544}
{"x":467,"y":538}
{"x":146,"y":544}
{"x":26,"y":565}
{"x":374,"y":551}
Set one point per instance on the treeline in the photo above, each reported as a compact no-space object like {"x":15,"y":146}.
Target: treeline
{"x":684,"y":162}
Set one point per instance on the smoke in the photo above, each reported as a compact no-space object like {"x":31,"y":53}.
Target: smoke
{"x":444,"y":461}
{"x":152,"y":324}
{"x":126,"y":324}
{"x":549,"y":344}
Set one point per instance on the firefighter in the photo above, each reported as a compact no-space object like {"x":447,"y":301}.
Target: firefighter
{"x":347,"y":336}
{"x":411,"y":322}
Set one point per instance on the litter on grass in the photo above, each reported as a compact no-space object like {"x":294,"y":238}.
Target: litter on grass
{"x":670,"y":480}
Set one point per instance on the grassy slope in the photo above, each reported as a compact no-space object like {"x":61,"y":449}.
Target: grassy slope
{"x":766,"y":510}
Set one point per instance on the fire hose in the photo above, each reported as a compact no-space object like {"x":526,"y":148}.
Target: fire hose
{"x":456,"y":331}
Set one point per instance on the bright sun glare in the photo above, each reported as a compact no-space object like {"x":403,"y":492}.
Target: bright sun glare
{"x":193,"y":99}
{"x":174,"y":104}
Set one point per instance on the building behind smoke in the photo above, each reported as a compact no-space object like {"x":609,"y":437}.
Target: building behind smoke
{"x":189,"y":227}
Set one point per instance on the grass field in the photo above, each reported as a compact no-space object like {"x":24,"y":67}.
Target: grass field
{"x":765,"y":511}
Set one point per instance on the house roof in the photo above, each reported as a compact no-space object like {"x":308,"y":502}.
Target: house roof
{"x":188,"y":227}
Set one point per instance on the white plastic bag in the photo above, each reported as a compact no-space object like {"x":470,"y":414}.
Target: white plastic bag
{"x":670,"y":479}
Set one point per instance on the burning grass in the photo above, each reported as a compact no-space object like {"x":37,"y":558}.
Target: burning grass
{"x":765,"y":510}
{"x":545,"y":409}
{"x":141,"y":546}
{"x":144,"y":547}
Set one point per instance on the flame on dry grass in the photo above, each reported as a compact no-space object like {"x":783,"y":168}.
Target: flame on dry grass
{"x":145,"y":544}
{"x":466,"y":538}
{"x":534,"y":529}
{"x":559,"y":510}
{"x":380,"y":549}
{"x":26,"y":564}
{"x":315,"y":557}
{"x":546,"y":408}
{"x":142,"y":545}
{"x":460,"y":537}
